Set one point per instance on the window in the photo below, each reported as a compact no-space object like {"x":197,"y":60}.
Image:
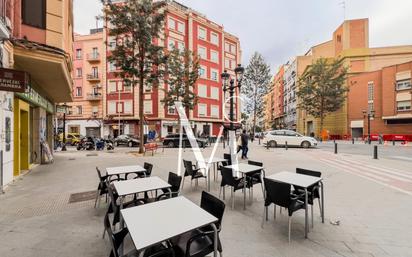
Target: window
{"x":233,"y":49}
{"x":111,"y":43}
{"x":34,"y":13}
{"x":128,"y":107}
{"x":181,"y":46}
{"x":171,"y":44}
{"x":227,"y":47}
{"x":126,"y":87}
{"x":202,"y":52}
{"x":215,"y":111}
{"x":181,"y":27}
{"x":227,"y":63}
{"x":202,"y":90}
{"x":171,"y":24}
{"x":95,"y":72}
{"x":403,"y":84}
{"x":79,"y":72}
{"x":111,"y":109}
{"x":78,"y":91}
{"x":370,"y":107}
{"x":95,"y":53}
{"x":202,"y":72}
{"x":214,"y":93}
{"x":95,"y":110}
{"x":202,"y":109}
{"x":171,"y":110}
{"x":201,"y":33}
{"x":78,"y":54}
{"x":214,"y":56}
{"x":214,"y":75}
{"x":79,"y":109}
{"x":147,"y":88}
{"x":112,"y":87}
{"x":403,"y":106}
{"x":370,"y":91}
{"x":119,"y":107}
{"x":112,"y":66}
{"x":214,"y":38}
{"x":148,"y":107}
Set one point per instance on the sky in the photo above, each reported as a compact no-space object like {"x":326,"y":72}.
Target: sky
{"x":282,"y":29}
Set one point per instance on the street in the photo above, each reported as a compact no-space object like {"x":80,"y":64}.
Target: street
{"x":368,"y":206}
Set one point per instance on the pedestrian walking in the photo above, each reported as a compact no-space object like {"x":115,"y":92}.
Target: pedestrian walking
{"x":245,"y":142}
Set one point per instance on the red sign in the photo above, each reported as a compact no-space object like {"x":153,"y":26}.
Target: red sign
{"x":13,"y":80}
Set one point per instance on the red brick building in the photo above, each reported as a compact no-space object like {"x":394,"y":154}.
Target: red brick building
{"x":218,"y":50}
{"x":278,"y":97}
{"x":388,"y":93}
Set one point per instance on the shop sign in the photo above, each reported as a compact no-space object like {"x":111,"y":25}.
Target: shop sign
{"x":36,"y":99}
{"x":13,"y":80}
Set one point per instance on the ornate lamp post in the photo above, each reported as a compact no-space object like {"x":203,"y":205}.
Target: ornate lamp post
{"x":229,"y":85}
{"x":369,"y":114}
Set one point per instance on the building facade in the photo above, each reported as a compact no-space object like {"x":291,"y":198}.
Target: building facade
{"x":218,"y":51}
{"x":39,"y":46}
{"x":279,"y":98}
{"x":387,"y":92}
{"x":86,"y":112}
{"x":269,"y":106}
{"x":289,"y":96}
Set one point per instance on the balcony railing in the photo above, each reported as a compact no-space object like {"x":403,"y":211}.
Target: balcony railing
{"x":94,"y":97}
{"x":93,"y":77}
{"x":93,"y":57}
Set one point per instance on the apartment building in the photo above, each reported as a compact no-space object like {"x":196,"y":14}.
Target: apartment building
{"x":86,"y":112}
{"x":289,"y":96}
{"x":36,"y":49}
{"x":278,"y":97}
{"x":387,"y":92}
{"x":218,"y":51}
{"x":268,"y":117}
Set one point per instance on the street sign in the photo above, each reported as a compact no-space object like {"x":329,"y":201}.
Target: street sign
{"x":13,"y":80}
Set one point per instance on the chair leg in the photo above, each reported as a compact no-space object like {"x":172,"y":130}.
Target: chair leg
{"x":104,"y":232}
{"x":220,"y":254}
{"x":290,"y":222}
{"x":311,"y":209}
{"x":220,"y":192}
{"x":97,"y":197}
{"x":233,"y":198}
{"x":264,"y":216}
{"x":274,"y":211}
{"x":224,"y":193}
{"x":267,"y":213}
{"x":183,"y":182}
{"x":320,"y":206}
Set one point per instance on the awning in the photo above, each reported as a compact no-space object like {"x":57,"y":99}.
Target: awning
{"x":49,"y":67}
{"x":398,"y":117}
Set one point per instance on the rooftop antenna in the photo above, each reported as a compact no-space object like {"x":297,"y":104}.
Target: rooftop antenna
{"x":343,"y":4}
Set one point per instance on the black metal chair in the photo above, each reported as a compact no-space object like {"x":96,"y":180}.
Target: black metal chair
{"x":280,"y":194}
{"x":174,"y":180}
{"x":117,"y":238}
{"x":228,"y":158}
{"x":235,"y":183}
{"x":194,"y":172}
{"x":142,"y":174}
{"x":102,"y":187}
{"x":256,"y":177}
{"x":200,"y":242}
{"x":313,"y":191}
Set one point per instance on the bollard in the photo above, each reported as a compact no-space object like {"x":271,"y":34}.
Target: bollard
{"x":336,"y":148}
{"x":353,"y":141}
{"x":375,"y":152}
{"x":259,"y":140}
{"x":393,"y":142}
{"x":267,"y":145}
{"x":286,"y":145}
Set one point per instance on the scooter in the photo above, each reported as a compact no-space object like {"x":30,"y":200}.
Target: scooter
{"x":86,"y":144}
{"x":109,"y":145}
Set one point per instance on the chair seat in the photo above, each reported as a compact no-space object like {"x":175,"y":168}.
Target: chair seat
{"x":198,"y":175}
{"x":300,"y":193}
{"x":295,"y":205}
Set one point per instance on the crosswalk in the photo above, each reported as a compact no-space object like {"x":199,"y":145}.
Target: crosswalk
{"x":397,"y":179}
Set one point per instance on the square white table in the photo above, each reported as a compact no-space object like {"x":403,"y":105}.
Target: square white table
{"x":111,"y":171}
{"x":244,"y":169}
{"x":304,"y":181}
{"x":157,"y":222}
{"x":214,"y":161}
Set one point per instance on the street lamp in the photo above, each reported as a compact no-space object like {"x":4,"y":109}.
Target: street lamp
{"x":229,"y":85}
{"x":65,"y":108}
{"x":369,"y":114}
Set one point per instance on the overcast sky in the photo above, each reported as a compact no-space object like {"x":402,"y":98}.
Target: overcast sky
{"x":281,"y":29}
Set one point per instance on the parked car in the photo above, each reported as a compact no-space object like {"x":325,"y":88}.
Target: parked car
{"x":71,"y":138}
{"x":279,"y":137}
{"x":172,"y":140}
{"x":127,"y":140}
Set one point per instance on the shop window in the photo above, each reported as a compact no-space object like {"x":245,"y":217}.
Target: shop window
{"x":34,"y":13}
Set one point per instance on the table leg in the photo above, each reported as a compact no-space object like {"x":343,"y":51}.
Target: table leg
{"x":170,"y":192}
{"x":306,"y":213}
{"x":215,"y":240}
{"x":244,"y":192}
{"x":323,"y":202}
{"x":121,"y":248}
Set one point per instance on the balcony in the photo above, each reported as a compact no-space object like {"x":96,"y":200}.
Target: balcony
{"x":93,"y":77}
{"x":93,"y":57}
{"x":94,"y":97}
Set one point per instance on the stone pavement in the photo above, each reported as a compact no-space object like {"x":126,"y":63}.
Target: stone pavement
{"x":37,"y":220}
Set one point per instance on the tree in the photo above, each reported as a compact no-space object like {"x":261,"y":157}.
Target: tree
{"x":322,"y":88}
{"x":256,"y":86}
{"x":182,"y":72}
{"x":136,"y":24}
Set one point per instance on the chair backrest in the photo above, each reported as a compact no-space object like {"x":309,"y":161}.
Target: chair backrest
{"x":213,"y":205}
{"x":255,"y":163}
{"x":228,"y":157}
{"x":148,"y":167}
{"x":113,"y":198}
{"x":277,"y":193}
{"x":309,"y":172}
{"x":227,"y":177}
{"x":188,"y":167}
{"x":99,"y":174}
{"x":175,"y":181}
{"x":112,"y":237}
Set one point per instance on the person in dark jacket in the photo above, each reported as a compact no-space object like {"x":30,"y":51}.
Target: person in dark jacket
{"x":245,"y":141}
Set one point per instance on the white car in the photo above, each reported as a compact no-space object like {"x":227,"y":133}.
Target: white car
{"x":276,"y":138}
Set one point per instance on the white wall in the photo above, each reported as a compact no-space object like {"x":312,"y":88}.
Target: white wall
{"x":5,"y":100}
{"x":83,"y":125}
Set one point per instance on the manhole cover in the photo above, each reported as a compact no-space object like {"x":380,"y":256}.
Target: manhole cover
{"x":82,"y":197}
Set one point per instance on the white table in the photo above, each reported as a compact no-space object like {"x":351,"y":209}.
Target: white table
{"x":244,"y":169}
{"x":111,"y":171}
{"x":157,"y":222}
{"x":214,"y":161}
{"x":304,"y":181}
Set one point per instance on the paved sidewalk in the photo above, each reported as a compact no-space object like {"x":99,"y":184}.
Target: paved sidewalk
{"x":37,"y":220}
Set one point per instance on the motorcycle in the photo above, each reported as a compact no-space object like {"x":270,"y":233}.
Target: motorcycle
{"x":86,"y":144}
{"x":109,"y":145}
